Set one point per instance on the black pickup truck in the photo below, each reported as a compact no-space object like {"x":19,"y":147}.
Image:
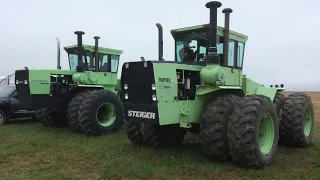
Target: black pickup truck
{"x":10,"y":105}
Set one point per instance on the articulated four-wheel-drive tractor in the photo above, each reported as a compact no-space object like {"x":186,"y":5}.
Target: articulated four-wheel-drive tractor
{"x":204,"y":92}
{"x":85,"y":97}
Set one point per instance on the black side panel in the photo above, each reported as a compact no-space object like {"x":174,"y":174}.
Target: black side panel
{"x":21,"y":76}
{"x":35,"y":101}
{"x":139,"y":77}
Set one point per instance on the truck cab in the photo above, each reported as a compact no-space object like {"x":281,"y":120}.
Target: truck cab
{"x":10,"y":105}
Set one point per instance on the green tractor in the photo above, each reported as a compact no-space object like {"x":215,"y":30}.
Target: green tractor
{"x":203,"y":91}
{"x":85,"y":97}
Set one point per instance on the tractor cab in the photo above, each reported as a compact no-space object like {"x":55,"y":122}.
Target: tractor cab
{"x":192,"y":45}
{"x":108,"y":58}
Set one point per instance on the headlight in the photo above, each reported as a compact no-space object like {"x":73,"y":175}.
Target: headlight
{"x":25,"y":82}
{"x":17,"y":81}
{"x":153,"y":87}
{"x":154,"y":97}
{"x":125,"y":86}
{"x":126,"y":96}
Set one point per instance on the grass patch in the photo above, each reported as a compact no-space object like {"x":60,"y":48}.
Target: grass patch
{"x":31,"y":151}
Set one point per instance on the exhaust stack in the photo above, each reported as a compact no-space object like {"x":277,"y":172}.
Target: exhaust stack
{"x":213,"y":57}
{"x":160,"y":41}
{"x":96,"y":46}
{"x":80,"y":67}
{"x":227,"y":12}
{"x":58,"y":54}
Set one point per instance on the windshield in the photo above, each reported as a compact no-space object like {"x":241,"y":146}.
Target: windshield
{"x":107,"y":62}
{"x":73,"y":60}
{"x":193,"y":47}
{"x":6,"y":91}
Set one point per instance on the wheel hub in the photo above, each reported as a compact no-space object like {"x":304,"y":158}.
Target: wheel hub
{"x":106,"y":114}
{"x":266,"y":134}
{"x":307,"y":122}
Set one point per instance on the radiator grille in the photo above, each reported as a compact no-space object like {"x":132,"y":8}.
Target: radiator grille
{"x":139,"y":77}
{"x":21,"y":76}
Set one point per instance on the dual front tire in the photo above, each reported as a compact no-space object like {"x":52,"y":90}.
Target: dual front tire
{"x":95,"y":112}
{"x":154,"y":135}
{"x":92,"y":112}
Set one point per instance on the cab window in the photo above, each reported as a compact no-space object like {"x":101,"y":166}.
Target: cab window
{"x":104,"y":63}
{"x":240,"y":54}
{"x":114,"y":63}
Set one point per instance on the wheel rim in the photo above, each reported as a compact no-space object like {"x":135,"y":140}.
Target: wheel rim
{"x":266,"y":134}
{"x":307,"y":122}
{"x":1,"y":118}
{"x":106,"y":114}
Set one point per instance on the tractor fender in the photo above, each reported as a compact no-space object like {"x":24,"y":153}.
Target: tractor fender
{"x":266,"y":91}
{"x":205,"y":89}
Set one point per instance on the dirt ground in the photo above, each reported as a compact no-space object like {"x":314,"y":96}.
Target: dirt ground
{"x":316,"y":103}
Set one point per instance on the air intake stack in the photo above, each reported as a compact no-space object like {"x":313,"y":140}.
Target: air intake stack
{"x":96,"y":53}
{"x":213,"y":57}
{"x":160,"y":41}
{"x":80,"y":67}
{"x":227,"y":12}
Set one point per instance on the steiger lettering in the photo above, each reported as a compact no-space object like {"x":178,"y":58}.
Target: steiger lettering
{"x":142,"y":114}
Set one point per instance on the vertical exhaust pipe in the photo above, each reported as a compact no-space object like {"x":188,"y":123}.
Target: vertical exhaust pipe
{"x":160,"y":41}
{"x":80,"y":67}
{"x":213,"y":57}
{"x":96,"y":46}
{"x":58,"y":54}
{"x":227,"y":12}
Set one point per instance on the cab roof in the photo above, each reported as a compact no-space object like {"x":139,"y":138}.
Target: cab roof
{"x":100,"y":49}
{"x":233,"y":35}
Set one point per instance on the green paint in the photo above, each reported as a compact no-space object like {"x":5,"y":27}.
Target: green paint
{"x":219,"y":75}
{"x":39,"y":80}
{"x":266,"y":134}
{"x":187,"y":112}
{"x":118,"y":86}
{"x":307,"y":122}
{"x":251,"y":87}
{"x":106,"y":114}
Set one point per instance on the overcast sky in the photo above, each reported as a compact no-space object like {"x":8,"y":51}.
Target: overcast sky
{"x":283,"y":44}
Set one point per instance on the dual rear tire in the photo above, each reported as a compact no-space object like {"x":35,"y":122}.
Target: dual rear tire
{"x":246,"y":129}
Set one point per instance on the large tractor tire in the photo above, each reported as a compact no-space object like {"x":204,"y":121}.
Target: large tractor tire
{"x":53,"y":118}
{"x":101,"y":112}
{"x":133,"y":132}
{"x":253,"y":132}
{"x":297,"y":121}
{"x":214,"y":127}
{"x":278,"y":101}
{"x":73,"y":109}
{"x":157,"y":136}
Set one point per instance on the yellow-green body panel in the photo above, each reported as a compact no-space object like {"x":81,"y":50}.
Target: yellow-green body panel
{"x":40,"y":79}
{"x":187,"y":112}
